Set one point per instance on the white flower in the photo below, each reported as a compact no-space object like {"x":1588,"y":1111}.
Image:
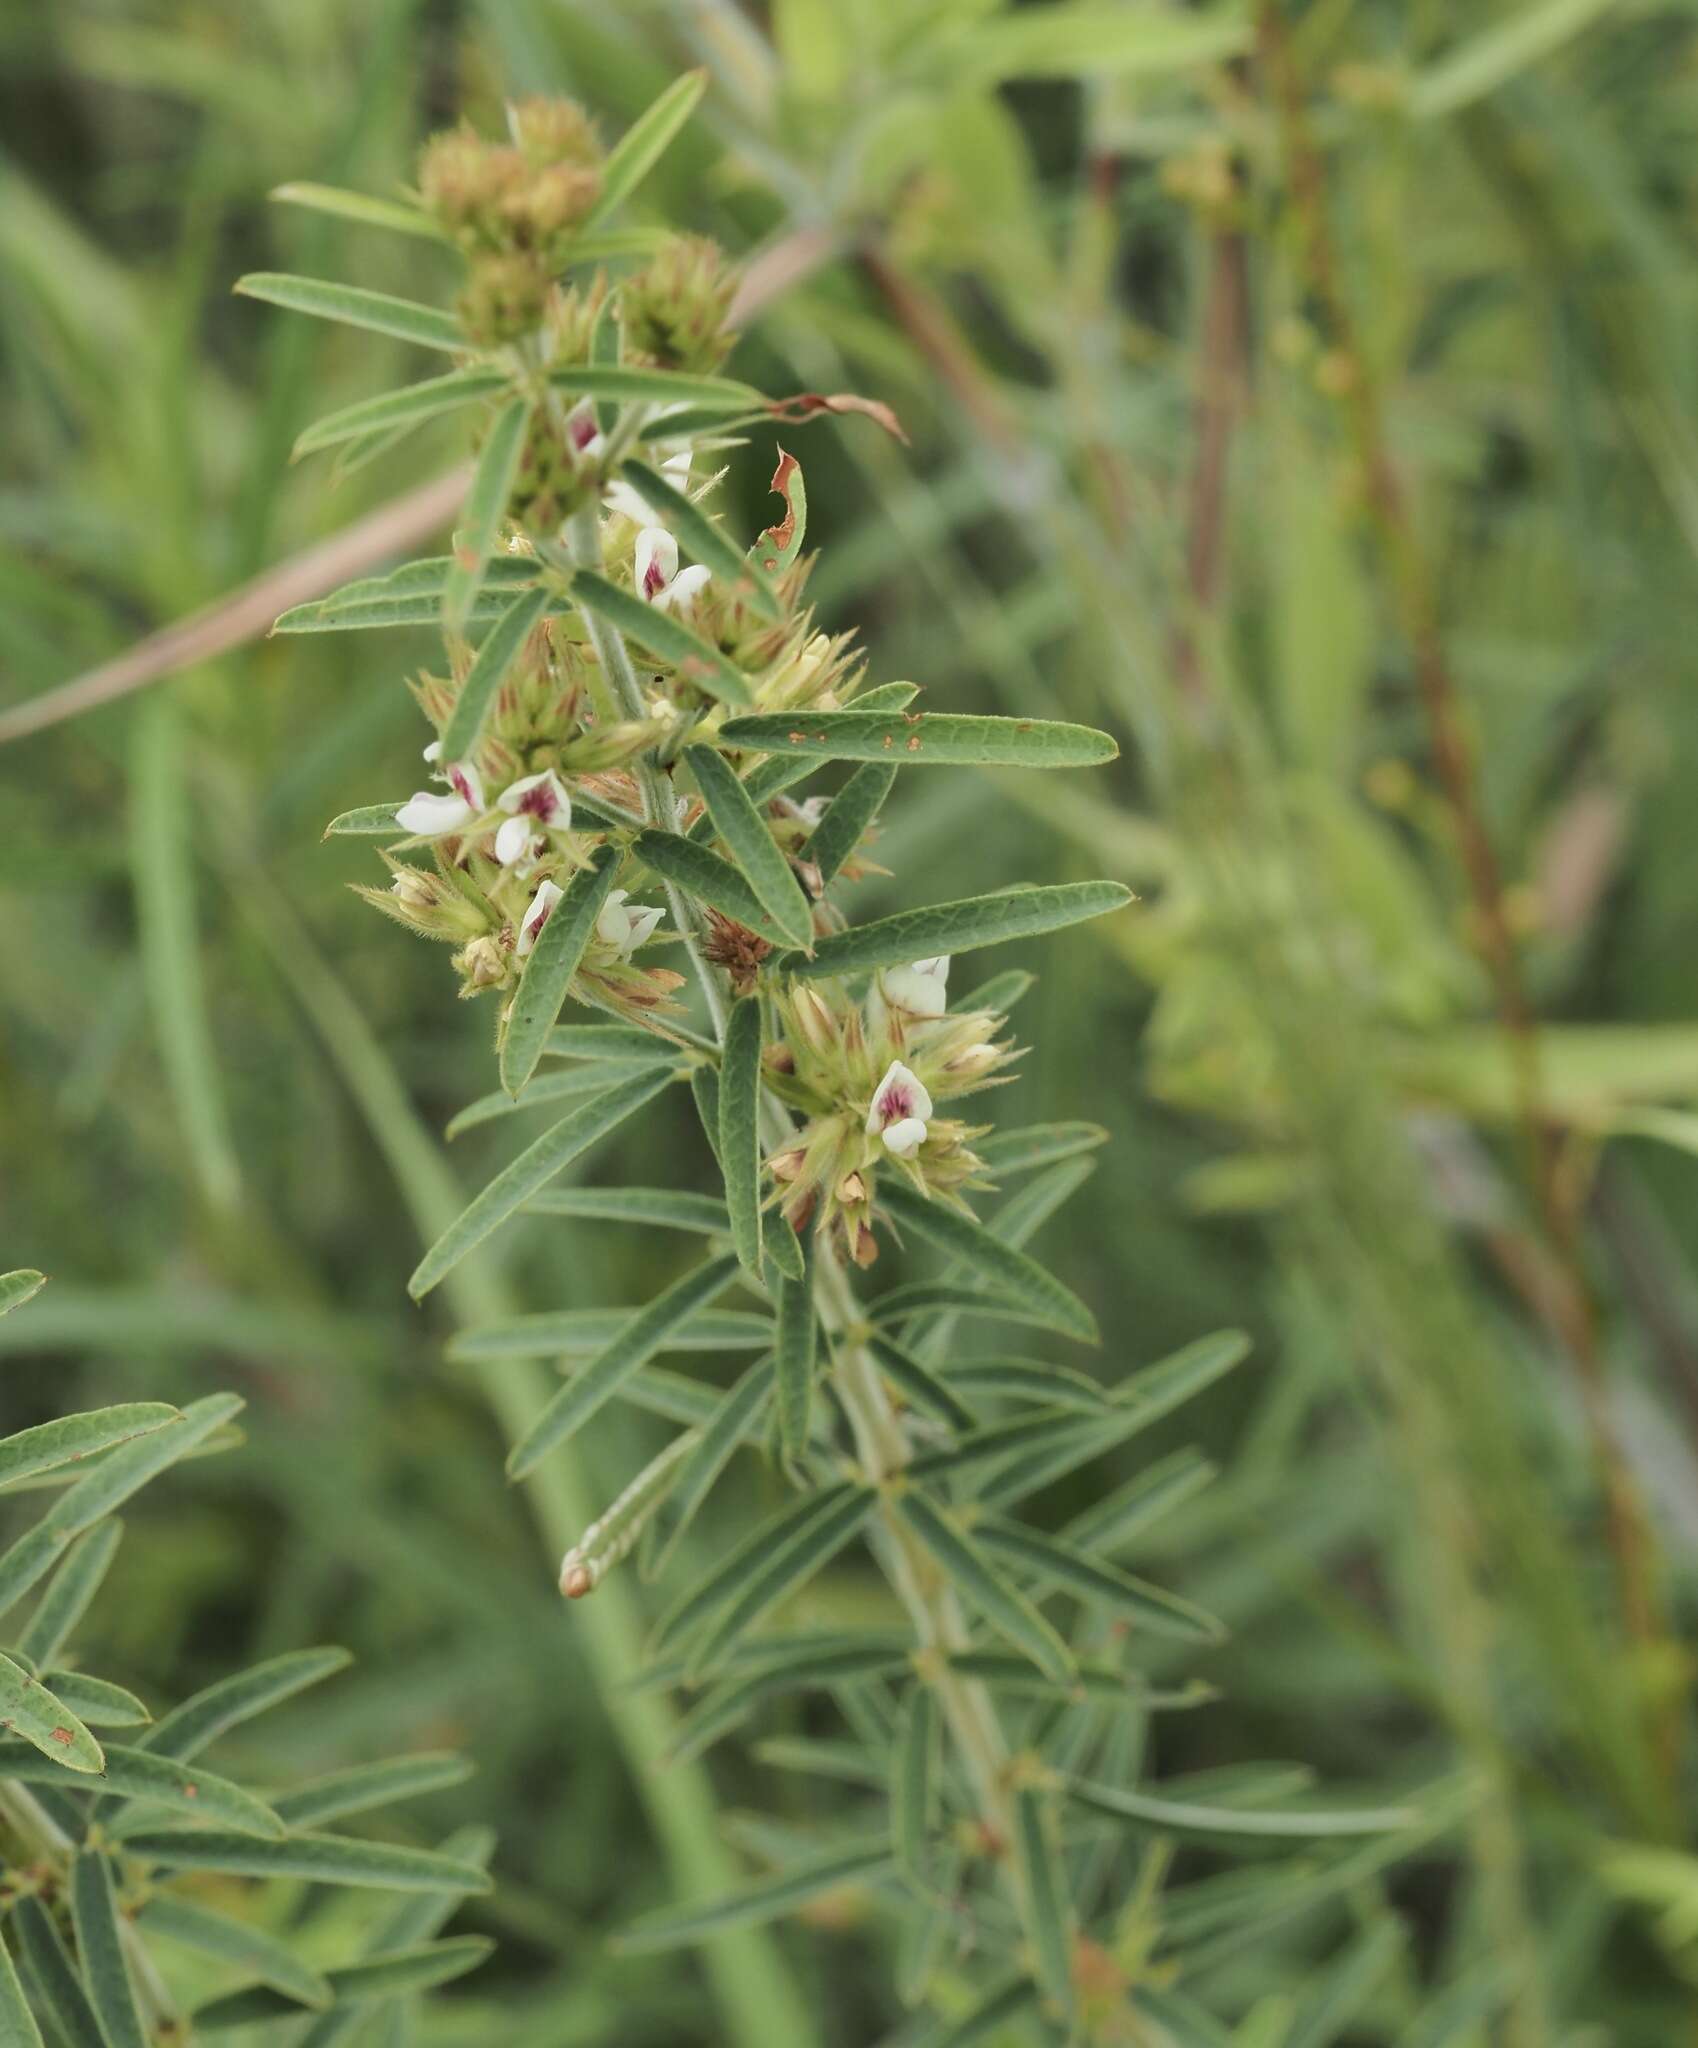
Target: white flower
{"x":625,"y":499}
{"x":900,"y":1110}
{"x":921,"y":988}
{"x":547,"y":896}
{"x":625,"y":925}
{"x":434,"y":751}
{"x":658,"y":577}
{"x":531,"y":801}
{"x":428,"y":815}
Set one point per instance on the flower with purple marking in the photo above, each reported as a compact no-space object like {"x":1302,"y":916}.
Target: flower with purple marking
{"x":541,"y":905}
{"x":429,"y":813}
{"x":658,"y":576}
{"x":900,"y":1111}
{"x":533,"y":802}
{"x":921,"y":988}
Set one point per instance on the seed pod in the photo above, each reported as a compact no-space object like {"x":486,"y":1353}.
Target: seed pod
{"x":606,"y":1541}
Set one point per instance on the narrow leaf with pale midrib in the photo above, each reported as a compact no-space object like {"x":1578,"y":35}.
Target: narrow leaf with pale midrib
{"x":1003,"y":1605}
{"x":188,"y":1729}
{"x":363,"y":1786}
{"x":643,"y":386}
{"x":74,"y":1436}
{"x":550,"y":966}
{"x":786,"y":1568}
{"x":403,"y":408}
{"x":924,"y":739}
{"x":797,"y":1344}
{"x":739,"y":1128}
{"x":728,"y":1426}
{"x":29,"y":1710}
{"x":533,"y":1169}
{"x":733,"y":1568}
{"x":913,"y":1787}
{"x":1191,"y":1817}
{"x":644,"y":143}
{"x":235,"y":1941}
{"x":847,"y":817}
{"x":322,"y":1859}
{"x":481,"y":517}
{"x":993,"y":1260}
{"x":17,"y":2023}
{"x":693,"y":657}
{"x":1043,"y":1886}
{"x":100,"y":1947}
{"x":494,"y":658}
{"x":140,"y":1778}
{"x":709,"y":877}
{"x":664,"y":1208}
{"x":755,"y":1903}
{"x":378,"y":312}
{"x":16,"y":1288}
{"x":392,"y":1974}
{"x":52,"y":1978}
{"x":751,"y":844}
{"x":959,"y":927}
{"x":97,"y":1700}
{"x":577,"y":1331}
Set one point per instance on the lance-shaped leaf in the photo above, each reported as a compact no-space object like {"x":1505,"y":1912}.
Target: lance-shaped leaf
{"x":1112,"y":1523}
{"x":138,"y":1776}
{"x":16,"y":1288}
{"x":549,"y":1091}
{"x":785,"y":1569}
{"x":1025,"y":1150}
{"x":704,"y":1092}
{"x":664,"y":1208}
{"x":739,"y":1128}
{"x":533,"y":1169}
{"x":480,"y":521}
{"x":847,"y":817}
{"x":359,"y":206}
{"x":1044,"y":1890}
{"x":994,"y":1261}
{"x":709,"y":877}
{"x":28,"y":1709}
{"x":1001,"y":1603}
{"x":366,"y":821}
{"x":806,"y":1668}
{"x":784,"y":1251}
{"x":391,"y":1975}
{"x":644,"y":143}
{"x":916,"y":739}
{"x":795,"y":1362}
{"x":631,"y":1348}
{"x":496,"y":655}
{"x":188,"y":1729}
{"x":1059,"y":1564}
{"x":320,"y":1859}
{"x":631,"y":382}
{"x":700,"y":536}
{"x":118,"y":1475}
{"x":793,"y":1524}
{"x":363,"y":1786}
{"x":550,"y":966}
{"x":354,"y":306}
{"x":752,"y":846}
{"x":17,"y":2022}
{"x":411,"y":596}
{"x":68,"y":1594}
{"x":695,"y":660}
{"x":926,"y":1297}
{"x":97,"y":1700}
{"x":578,"y":1331}
{"x":235,"y":1941}
{"x":1005,"y":2001}
{"x":1026,"y":1379}
{"x":74,"y":1436}
{"x":923,"y":1387}
{"x":100,"y":1947}
{"x":753,"y":1904}
{"x":914,"y":1787}
{"x":597,"y":1042}
{"x":403,"y":408}
{"x":958,"y":927}
{"x":1190,"y":1817}
{"x":1000,"y":993}
{"x":731,"y":1424}
{"x":54,"y":1986}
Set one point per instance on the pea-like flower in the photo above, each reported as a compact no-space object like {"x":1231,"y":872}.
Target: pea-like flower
{"x":532,"y":801}
{"x":542,"y":903}
{"x":624,"y":924}
{"x":900,"y":1111}
{"x":921,"y":988}
{"x":658,"y":576}
{"x":429,"y":813}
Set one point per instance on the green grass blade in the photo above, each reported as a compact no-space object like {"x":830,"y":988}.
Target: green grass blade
{"x":924,"y":739}
{"x":983,"y":1586}
{"x":959,"y":927}
{"x":356,"y":307}
{"x":695,"y":660}
{"x":739,"y":1128}
{"x":550,"y":966}
{"x":480,"y":522}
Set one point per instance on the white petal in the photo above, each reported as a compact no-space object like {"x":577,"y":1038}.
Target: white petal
{"x":552,"y":806}
{"x":899,"y":1097}
{"x":427,"y":815}
{"x":513,"y":841}
{"x":621,"y":498}
{"x":434,"y":751}
{"x":684,"y":588}
{"x":676,"y":468}
{"x":905,"y":1138}
{"x":644,"y":922}
{"x":937,"y":967}
{"x":465,"y":779}
{"x":913,"y":990}
{"x":613,"y":922}
{"x":656,"y":561}
{"x":548,"y":894}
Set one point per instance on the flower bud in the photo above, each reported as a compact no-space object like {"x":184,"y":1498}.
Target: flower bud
{"x":673,"y":311}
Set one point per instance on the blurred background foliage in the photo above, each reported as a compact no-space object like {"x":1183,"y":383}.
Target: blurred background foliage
{"x":1305,"y":393}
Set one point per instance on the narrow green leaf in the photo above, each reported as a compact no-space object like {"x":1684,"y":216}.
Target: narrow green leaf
{"x":1025,"y":1379}
{"x":914,"y":1788}
{"x":1004,"y":2002}
{"x":394,"y":1974}
{"x":994,"y":1261}
{"x":771,"y":1897}
{"x":17,"y":1288}
{"x":786,"y":1568}
{"x":963,"y":1298}
{"x":577,"y":1331}
{"x":809,"y":1669}
{"x":1003,"y":1605}
{"x":68,"y":1594}
{"x":118,"y":1475}
{"x":359,"y":206}
{"x":795,"y":1363}
{"x":549,"y":969}
{"x":1043,"y":1885}
{"x":640,"y":386}
{"x":784,"y":1250}
{"x":321,"y":1859}
{"x":1499,"y":52}
{"x":619,"y":1042}
{"x":1087,"y":39}
{"x":1110,"y":1524}
{"x":999,"y":994}
{"x":94,"y":1914}
{"x":74,"y":1436}
{"x":1025,"y":1150}
{"x":496,"y":655}
{"x":200,"y":1720}
{"x":751,"y":844}
{"x":793,"y":1524}
{"x":97,"y":1700}
{"x":363,"y":1786}
{"x":644,"y":143}
{"x":366,"y":821}
{"x":140,"y":1778}
{"x":695,"y":660}
{"x":28,"y":1709}
{"x":704,"y":1092}
{"x":1188,"y":1817}
{"x":1059,"y":1564}
{"x":532,"y":1170}
{"x":739,"y":1128}
{"x":709,"y":877}
{"x":647,"y":1332}
{"x":403,"y":408}
{"x":731,"y":1424}
{"x":700,"y":536}
{"x":847,"y":817}
{"x":665,"y":1208}
{"x":924,"y":739}
{"x":411,"y":596}
{"x":474,"y":540}
{"x":959,"y":927}
{"x":356,"y":307}
{"x":548,"y":1091}
{"x":235,"y":1941}
{"x":17,"y":2023}
{"x":52,"y":1978}
{"x":924,"y":1388}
